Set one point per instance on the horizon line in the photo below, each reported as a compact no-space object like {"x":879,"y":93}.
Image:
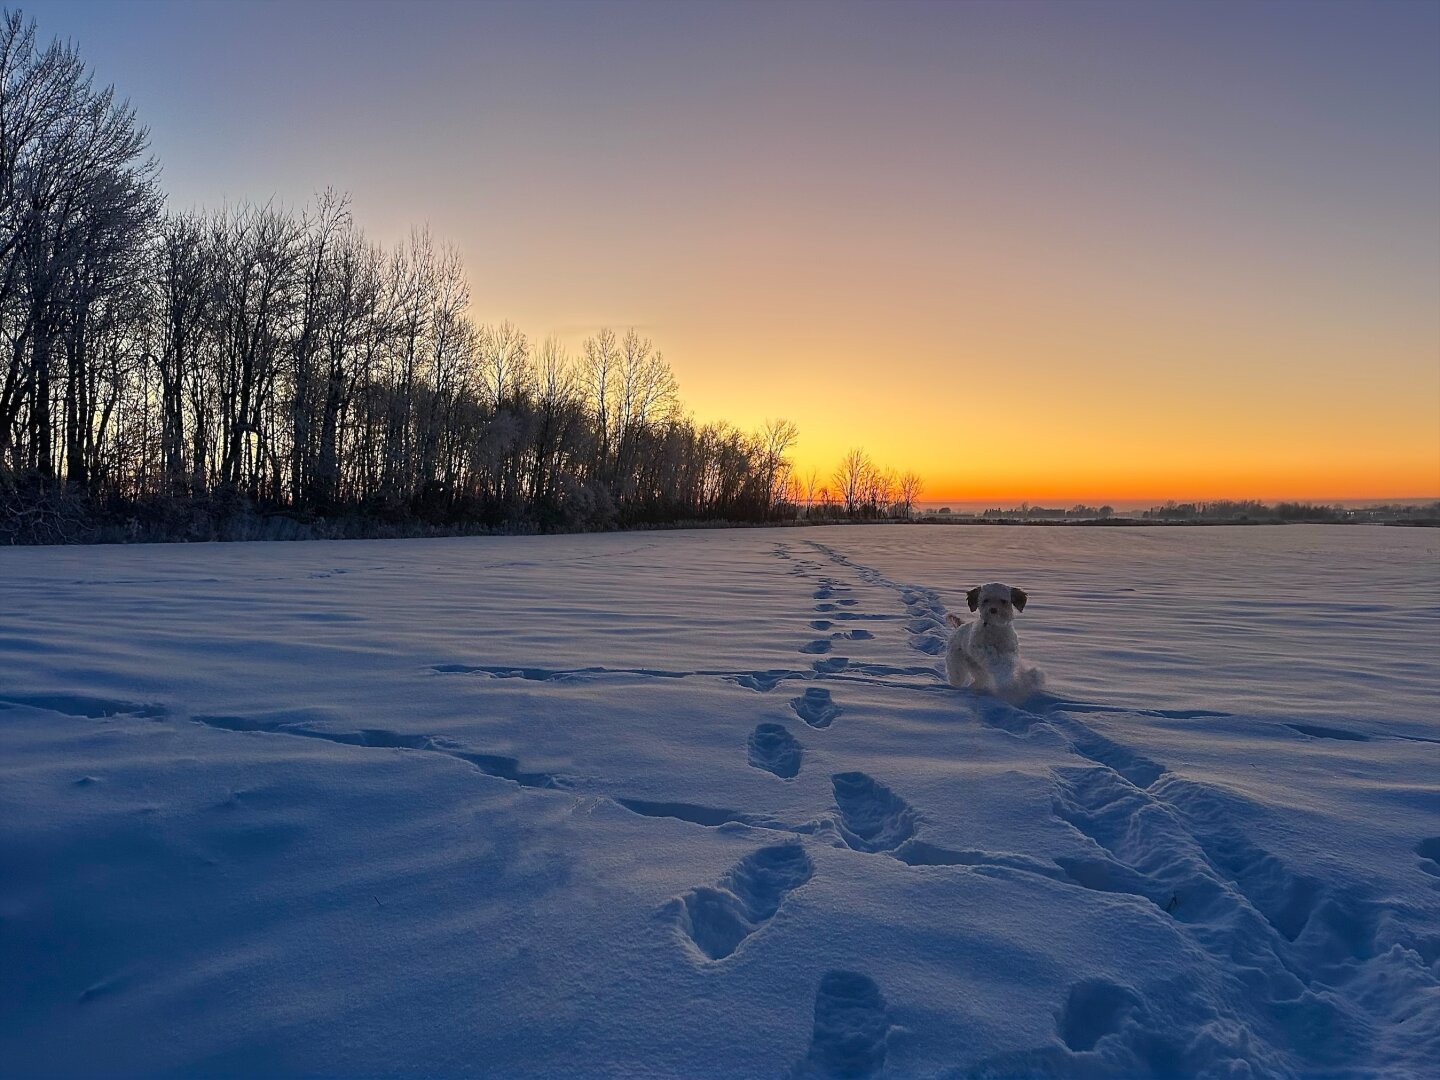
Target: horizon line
{"x":1147,"y":502}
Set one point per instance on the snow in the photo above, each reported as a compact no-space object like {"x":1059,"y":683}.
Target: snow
{"x":699,"y":805}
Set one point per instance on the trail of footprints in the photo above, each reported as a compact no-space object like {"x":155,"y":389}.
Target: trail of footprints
{"x":926,"y":614}
{"x":816,"y":706}
{"x":834,"y":607}
{"x":771,"y":746}
{"x":1174,"y":842}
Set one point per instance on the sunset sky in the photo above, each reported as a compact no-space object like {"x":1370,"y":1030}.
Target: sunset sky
{"x":1051,"y":252}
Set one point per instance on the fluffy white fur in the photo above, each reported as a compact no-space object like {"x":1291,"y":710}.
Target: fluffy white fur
{"x":985,"y":654}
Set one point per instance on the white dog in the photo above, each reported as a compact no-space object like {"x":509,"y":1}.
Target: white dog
{"x":986,"y":654}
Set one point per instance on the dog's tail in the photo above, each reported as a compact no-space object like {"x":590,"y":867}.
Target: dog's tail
{"x":954,"y":620}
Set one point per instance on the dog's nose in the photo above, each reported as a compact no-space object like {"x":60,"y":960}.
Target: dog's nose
{"x":994,"y":611}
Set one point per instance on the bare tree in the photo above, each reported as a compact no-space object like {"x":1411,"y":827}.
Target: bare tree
{"x":183,"y":278}
{"x":647,"y":395}
{"x":599,"y":363}
{"x":77,"y":198}
{"x":412,"y":285}
{"x":851,"y":480}
{"x":258,"y":251}
{"x":774,"y":439}
{"x":559,"y":415}
{"x":909,"y":488}
{"x":812,"y":488}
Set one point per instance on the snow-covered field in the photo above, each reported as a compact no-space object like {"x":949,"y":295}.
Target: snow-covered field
{"x":698,"y":805}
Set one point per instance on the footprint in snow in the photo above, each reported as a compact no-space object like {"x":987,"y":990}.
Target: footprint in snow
{"x":775,"y":750}
{"x":851,"y":1029}
{"x":816,"y":707}
{"x":763,"y":681}
{"x":872,"y":817}
{"x":930,"y":644}
{"x":1094,"y":1009}
{"x":717,"y":918}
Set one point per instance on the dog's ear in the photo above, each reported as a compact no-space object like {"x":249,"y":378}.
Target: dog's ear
{"x":1018,"y":598}
{"x":973,"y":598}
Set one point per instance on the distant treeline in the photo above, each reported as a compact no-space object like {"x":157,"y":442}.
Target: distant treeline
{"x":1221,"y":511}
{"x":183,"y":375}
{"x":1249,"y":510}
{"x":1244,"y":510}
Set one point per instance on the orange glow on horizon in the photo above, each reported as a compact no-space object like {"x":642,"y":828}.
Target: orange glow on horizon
{"x":1122,"y":488}
{"x":1147,"y":485}
{"x":1245,"y":429}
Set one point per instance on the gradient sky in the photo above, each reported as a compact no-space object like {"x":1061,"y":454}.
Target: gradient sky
{"x":1055,"y":252}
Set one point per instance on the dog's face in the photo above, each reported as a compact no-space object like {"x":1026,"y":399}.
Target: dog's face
{"x":996,"y":602}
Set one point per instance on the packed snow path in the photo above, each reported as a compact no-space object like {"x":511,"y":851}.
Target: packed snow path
{"x":701,"y":804}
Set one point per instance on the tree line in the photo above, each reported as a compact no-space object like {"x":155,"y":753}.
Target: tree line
{"x":260,"y":359}
{"x":1220,"y":511}
{"x":1244,"y":510}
